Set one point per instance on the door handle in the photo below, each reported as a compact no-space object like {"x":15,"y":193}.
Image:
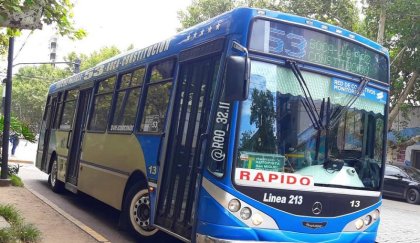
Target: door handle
{"x":68,"y":138}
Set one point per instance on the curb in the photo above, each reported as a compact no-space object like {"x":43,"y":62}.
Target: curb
{"x":19,"y":161}
{"x":82,"y":226}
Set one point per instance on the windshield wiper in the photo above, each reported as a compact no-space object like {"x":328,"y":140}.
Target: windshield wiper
{"x":307,"y":101}
{"x":335,"y":117}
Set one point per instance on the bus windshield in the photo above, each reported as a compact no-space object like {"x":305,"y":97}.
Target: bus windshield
{"x":277,"y":133}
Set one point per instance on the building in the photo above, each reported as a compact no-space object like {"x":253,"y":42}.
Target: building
{"x":403,"y":128}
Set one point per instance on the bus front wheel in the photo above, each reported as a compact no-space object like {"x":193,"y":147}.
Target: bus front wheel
{"x":55,"y":184}
{"x":137,"y":211}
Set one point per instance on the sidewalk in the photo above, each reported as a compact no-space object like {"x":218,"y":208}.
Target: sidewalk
{"x":54,"y":227}
{"x":55,"y":224}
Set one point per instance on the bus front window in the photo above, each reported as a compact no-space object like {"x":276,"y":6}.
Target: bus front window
{"x":277,"y":134}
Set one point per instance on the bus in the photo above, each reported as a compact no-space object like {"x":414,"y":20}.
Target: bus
{"x":254,"y":125}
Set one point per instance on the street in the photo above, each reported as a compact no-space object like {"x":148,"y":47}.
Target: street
{"x":399,"y":220}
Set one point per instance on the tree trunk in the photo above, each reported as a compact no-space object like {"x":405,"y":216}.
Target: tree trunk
{"x":403,"y":96}
{"x":381,"y":27}
{"x":407,"y":143}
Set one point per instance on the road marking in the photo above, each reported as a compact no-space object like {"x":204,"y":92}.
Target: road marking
{"x":82,"y":226}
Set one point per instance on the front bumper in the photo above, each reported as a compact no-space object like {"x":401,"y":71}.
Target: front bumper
{"x":210,"y":233}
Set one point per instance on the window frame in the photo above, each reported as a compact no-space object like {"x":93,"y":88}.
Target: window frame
{"x":148,"y":83}
{"x":93,"y":99}
{"x":59,"y":111}
{"x":63,"y":103}
{"x":117,"y":90}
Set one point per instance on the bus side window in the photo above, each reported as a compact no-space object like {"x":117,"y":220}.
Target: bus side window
{"x":47,"y":109}
{"x":158,"y":95}
{"x":127,"y":99}
{"x":58,"y":111}
{"x":102,"y":104}
{"x":69,"y":105}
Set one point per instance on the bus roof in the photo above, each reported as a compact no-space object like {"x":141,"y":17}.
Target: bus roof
{"x":233,"y":22}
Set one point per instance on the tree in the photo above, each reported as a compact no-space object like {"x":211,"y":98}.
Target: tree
{"x":94,"y":58}
{"x":30,"y":86}
{"x":201,"y":10}
{"x":58,"y":12}
{"x":31,"y":83}
{"x":263,"y":117}
{"x":398,"y":28}
{"x":339,"y":12}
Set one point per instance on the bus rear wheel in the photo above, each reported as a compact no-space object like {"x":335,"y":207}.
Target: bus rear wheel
{"x":413,"y":196}
{"x":56,"y":185}
{"x":137,"y":212}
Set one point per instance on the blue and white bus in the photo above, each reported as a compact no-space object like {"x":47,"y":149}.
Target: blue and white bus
{"x":252,"y":126}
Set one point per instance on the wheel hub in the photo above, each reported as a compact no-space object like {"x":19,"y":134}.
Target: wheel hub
{"x":142,"y":213}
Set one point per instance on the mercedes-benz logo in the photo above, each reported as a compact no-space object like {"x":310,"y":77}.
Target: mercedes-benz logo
{"x":317,"y":208}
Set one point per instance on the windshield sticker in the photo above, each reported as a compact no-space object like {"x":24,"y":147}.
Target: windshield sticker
{"x":347,"y":87}
{"x":271,"y":179}
{"x":261,"y":161}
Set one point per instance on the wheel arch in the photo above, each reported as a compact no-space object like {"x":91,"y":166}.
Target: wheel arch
{"x":135,"y":177}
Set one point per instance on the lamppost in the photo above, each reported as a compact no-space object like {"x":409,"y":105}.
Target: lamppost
{"x":30,"y":18}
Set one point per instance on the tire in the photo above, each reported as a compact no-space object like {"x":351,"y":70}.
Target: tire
{"x":56,"y":185}
{"x":136,"y":213}
{"x":413,"y":196}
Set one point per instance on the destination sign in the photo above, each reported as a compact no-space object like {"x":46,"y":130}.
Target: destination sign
{"x":317,"y":47}
{"x":262,"y":161}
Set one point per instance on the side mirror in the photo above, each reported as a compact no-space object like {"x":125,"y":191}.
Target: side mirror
{"x":237,"y":78}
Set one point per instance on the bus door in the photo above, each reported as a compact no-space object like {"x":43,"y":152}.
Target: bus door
{"x":190,"y":118}
{"x":50,"y":112}
{"x":76,"y":136}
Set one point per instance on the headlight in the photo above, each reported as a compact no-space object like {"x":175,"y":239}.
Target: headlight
{"x":257,"y":219}
{"x":246,"y":213}
{"x":359,"y":224}
{"x":376,"y":214}
{"x":234,"y":205}
{"x":367,"y":219}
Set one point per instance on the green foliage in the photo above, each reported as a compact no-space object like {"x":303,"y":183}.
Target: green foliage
{"x":31,"y":84}
{"x":402,"y":38}
{"x":28,"y":233}
{"x":201,"y":10}
{"x":20,"y":128}
{"x":263,"y":116}
{"x":400,"y":138}
{"x":343,"y":13}
{"x":16,"y":181}
{"x":6,"y":235}
{"x":94,"y":58}
{"x":57,"y":12}
{"x":30,"y":88}
{"x":19,"y":231}
{"x":10,"y":214}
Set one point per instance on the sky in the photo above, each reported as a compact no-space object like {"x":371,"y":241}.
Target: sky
{"x":107,"y":22}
